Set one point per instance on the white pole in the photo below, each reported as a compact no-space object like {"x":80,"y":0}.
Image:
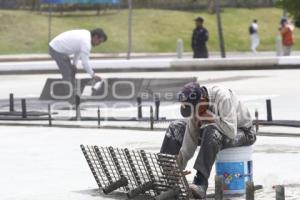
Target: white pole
{"x":179,"y":48}
{"x":278,"y":44}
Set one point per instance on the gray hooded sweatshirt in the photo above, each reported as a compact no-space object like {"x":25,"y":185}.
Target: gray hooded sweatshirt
{"x":229,"y":115}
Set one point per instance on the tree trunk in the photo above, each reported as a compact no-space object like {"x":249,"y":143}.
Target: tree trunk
{"x":34,"y":4}
{"x":211,"y":7}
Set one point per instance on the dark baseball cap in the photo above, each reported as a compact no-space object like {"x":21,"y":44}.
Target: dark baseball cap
{"x":189,"y":96}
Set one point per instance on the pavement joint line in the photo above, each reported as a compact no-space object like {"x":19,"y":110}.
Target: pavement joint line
{"x":267,"y":134}
{"x":148,"y":69}
{"x":84,"y":126}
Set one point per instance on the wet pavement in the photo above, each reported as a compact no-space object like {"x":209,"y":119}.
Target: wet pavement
{"x":47,"y":163}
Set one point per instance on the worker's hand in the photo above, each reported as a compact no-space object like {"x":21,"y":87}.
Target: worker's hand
{"x":179,"y":159}
{"x":207,"y":117}
{"x":96,"y":78}
{"x":186,"y":172}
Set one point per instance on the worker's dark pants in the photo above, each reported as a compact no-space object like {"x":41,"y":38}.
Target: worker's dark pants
{"x":200,"y":52}
{"x":67,"y":70}
{"x":211,"y":141}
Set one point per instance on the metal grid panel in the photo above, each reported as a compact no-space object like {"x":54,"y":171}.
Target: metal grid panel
{"x":135,"y":172}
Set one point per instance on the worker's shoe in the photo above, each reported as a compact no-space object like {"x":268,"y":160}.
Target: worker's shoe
{"x":199,"y":186}
{"x":198,"y":191}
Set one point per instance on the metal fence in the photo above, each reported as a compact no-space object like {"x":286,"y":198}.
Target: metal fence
{"x":200,"y":4}
{"x":69,"y":4}
{"x":81,"y":1}
{"x":162,"y":4}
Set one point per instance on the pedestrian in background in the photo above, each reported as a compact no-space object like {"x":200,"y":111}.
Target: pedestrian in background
{"x":286,"y":30}
{"x":199,"y":39}
{"x":253,"y":31}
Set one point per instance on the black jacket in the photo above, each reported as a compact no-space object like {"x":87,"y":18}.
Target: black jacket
{"x":199,"y":38}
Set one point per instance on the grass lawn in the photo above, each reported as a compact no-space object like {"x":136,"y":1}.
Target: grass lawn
{"x":153,"y":30}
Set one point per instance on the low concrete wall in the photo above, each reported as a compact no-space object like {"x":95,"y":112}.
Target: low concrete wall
{"x":224,"y":64}
{"x":160,"y":64}
{"x":120,"y":89}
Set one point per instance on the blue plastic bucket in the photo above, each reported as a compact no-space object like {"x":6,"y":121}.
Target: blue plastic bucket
{"x":236,"y":167}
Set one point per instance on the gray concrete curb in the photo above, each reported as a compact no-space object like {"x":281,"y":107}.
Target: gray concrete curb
{"x":104,"y":56}
{"x":160,"y":64}
{"x":225,"y":64}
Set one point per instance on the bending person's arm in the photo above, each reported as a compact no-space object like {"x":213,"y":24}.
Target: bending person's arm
{"x":76,"y":59}
{"x":86,"y":63}
{"x":189,"y":145}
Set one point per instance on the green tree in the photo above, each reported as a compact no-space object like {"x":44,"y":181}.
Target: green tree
{"x":292,"y":7}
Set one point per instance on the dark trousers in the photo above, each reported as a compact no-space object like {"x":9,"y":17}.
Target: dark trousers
{"x":211,"y":141}
{"x":66,"y":69}
{"x":200,"y":52}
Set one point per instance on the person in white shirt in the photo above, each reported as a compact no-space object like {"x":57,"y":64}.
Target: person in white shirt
{"x":77,"y":43}
{"x":216,"y":119}
{"x":253,"y":31}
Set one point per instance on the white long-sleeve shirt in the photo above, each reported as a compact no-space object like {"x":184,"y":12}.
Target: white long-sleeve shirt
{"x":255,"y":27}
{"x":229,"y":114}
{"x":76,"y":43}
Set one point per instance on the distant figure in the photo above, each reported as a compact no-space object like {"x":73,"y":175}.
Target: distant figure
{"x":253,"y":31}
{"x":286,"y":30}
{"x":77,"y":43}
{"x":199,"y":39}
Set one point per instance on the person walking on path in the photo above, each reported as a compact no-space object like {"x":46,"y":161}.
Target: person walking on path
{"x":286,"y":30}
{"x":215,"y":119}
{"x":253,"y":31}
{"x":77,"y":43}
{"x":199,"y":39}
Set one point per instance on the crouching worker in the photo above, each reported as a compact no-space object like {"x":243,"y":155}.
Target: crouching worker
{"x":79,"y":44}
{"x":216,"y":119}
